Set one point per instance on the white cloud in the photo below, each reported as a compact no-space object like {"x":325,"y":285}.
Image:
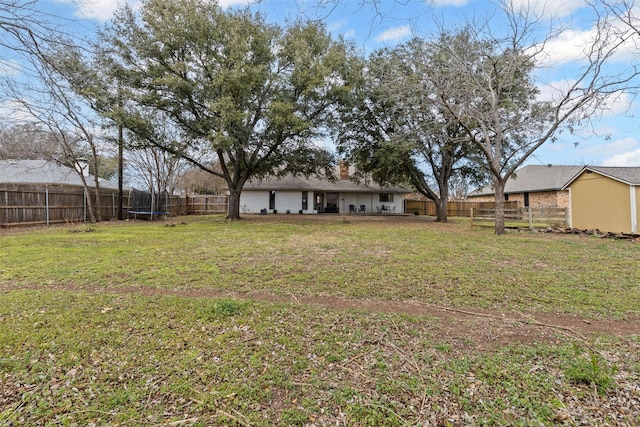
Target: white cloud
{"x":615,"y":104}
{"x":103,"y":10}
{"x":568,"y":47}
{"x":14,"y":111}
{"x":548,"y":8}
{"x":609,"y":150}
{"x":10,"y":68}
{"x":394,"y":34}
{"x":228,"y":3}
{"x":339,"y":27}
{"x":336,"y":26}
{"x":573,"y":44}
{"x":630,"y":158}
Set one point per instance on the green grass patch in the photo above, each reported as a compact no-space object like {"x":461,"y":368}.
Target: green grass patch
{"x":85,"y":358}
{"x":84,"y":342}
{"x":444,"y":264}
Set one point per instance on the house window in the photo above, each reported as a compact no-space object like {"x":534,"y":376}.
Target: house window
{"x":386,"y":197}
{"x":272,"y":200}
{"x":526,"y":200}
{"x":506,"y":197}
{"x":305,"y":200}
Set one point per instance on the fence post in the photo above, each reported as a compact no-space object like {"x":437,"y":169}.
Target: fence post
{"x":472,"y":217}
{"x":46,"y":202}
{"x":530,"y":212}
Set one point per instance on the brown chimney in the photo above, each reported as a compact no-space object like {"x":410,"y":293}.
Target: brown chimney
{"x":344,"y":171}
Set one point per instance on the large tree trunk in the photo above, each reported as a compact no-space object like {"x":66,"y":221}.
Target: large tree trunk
{"x":441,"y":210}
{"x":233,"y":211}
{"x":499,"y":214}
{"x":443,"y":200}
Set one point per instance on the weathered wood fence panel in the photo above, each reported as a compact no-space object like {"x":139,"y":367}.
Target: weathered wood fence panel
{"x":457,"y":208}
{"x":30,"y":205}
{"x":522,"y":217}
{"x":40,"y":204}
{"x":207,"y":204}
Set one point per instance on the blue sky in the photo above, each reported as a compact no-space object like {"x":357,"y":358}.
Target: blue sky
{"x":613,"y":139}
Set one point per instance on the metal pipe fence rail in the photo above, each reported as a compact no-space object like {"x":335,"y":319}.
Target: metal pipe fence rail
{"x":522,"y":217}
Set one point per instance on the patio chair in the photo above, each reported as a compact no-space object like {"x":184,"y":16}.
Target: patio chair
{"x":362,"y":209}
{"x":352,"y":208}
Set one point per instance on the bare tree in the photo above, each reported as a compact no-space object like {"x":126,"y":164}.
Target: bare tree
{"x":157,"y":169}
{"x":28,"y":141}
{"x":52,"y":104}
{"x":486,"y":81}
{"x":626,"y":12}
{"x":197,"y":181}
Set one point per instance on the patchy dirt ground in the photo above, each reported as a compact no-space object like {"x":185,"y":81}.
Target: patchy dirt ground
{"x":487,"y":329}
{"x":476,"y":328}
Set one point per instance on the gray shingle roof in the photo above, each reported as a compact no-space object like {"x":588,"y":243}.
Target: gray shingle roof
{"x":535,"y":178}
{"x":627,"y":175}
{"x":291,"y":183}
{"x":46,"y":172}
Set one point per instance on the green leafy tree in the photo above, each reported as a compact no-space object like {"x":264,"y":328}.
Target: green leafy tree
{"x":254,"y":95}
{"x":396,"y":134}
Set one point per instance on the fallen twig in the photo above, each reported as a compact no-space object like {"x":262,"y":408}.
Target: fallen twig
{"x":529,"y":320}
{"x":233,"y":417}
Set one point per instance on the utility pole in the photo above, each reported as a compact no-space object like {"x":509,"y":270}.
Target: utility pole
{"x":120,"y":172}
{"x":120,"y":156}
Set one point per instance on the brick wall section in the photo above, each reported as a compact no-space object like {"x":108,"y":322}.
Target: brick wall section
{"x":542,"y":199}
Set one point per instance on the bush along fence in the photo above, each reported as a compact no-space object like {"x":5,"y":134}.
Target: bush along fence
{"x":40,"y":204}
{"x":522,"y":217}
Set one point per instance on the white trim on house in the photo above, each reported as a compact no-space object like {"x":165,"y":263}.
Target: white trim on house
{"x":570,"y":209}
{"x":257,"y":201}
{"x":634,"y":216}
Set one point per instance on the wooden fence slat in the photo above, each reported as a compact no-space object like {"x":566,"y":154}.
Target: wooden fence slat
{"x":454,"y":208}
{"x":529,"y":217}
{"x":28,"y":205}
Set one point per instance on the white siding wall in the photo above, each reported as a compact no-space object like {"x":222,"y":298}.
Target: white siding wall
{"x":371,"y":202}
{"x":254,"y":201}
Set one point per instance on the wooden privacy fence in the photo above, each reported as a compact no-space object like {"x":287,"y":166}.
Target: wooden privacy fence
{"x":458,"y":208}
{"x":39,"y":204}
{"x":522,"y":217}
{"x":205,"y":205}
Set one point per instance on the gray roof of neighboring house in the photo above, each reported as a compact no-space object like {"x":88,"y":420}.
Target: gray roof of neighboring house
{"x":626,"y":175}
{"x":535,"y":178}
{"x":292,"y":183}
{"x":47,"y":172}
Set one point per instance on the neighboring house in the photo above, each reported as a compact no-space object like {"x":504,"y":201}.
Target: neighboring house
{"x":606,"y":198}
{"x":45,"y":192}
{"x":314,"y":195}
{"x":46,"y":172}
{"x":536,"y":186}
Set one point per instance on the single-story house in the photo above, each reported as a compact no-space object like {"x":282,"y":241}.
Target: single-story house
{"x":314,"y":195}
{"x":45,"y":192}
{"x":535,"y":186}
{"x":46,"y":172}
{"x":606,"y":198}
